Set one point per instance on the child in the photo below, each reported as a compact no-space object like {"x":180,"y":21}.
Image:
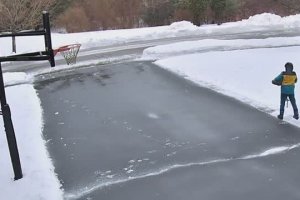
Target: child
{"x":287,"y":80}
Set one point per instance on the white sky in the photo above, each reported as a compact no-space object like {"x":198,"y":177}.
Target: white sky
{"x":243,"y":74}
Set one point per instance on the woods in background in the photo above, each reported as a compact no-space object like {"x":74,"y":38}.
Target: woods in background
{"x":86,"y":15}
{"x":92,"y":15}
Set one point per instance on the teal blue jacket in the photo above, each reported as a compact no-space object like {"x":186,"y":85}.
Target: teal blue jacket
{"x":287,"y":81}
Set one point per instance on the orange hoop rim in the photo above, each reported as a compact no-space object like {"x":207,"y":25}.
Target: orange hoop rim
{"x":66,"y":48}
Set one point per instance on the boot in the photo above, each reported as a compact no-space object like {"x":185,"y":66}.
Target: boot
{"x":296,"y":115}
{"x":280,"y":116}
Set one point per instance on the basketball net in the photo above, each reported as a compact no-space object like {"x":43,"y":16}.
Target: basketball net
{"x":69,"y":52}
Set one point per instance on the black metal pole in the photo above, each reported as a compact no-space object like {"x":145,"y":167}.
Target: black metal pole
{"x":48,"y":41}
{"x":9,"y":129}
{"x":23,"y":33}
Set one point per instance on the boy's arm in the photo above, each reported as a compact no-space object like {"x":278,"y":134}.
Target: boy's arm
{"x":279,"y":77}
{"x":278,"y":80}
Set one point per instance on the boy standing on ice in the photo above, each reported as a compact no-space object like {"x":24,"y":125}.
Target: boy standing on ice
{"x":287,"y":80}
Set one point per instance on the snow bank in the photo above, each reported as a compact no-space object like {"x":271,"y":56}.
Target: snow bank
{"x":183,"y":26}
{"x":39,"y":180}
{"x":16,"y":78}
{"x":163,"y":51}
{"x":265,"y":21}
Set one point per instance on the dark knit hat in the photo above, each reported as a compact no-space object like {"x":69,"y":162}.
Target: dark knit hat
{"x":289,"y":66}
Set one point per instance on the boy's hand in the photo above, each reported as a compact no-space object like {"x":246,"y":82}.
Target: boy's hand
{"x":276,"y":82}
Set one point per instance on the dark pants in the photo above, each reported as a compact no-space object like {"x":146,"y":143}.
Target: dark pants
{"x":292,"y":100}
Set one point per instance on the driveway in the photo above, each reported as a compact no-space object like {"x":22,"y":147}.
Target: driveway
{"x":134,"y":131}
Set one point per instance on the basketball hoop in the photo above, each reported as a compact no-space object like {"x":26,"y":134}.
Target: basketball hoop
{"x":69,"y":52}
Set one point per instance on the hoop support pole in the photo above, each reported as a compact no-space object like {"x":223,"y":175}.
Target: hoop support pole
{"x":10,"y":133}
{"x":48,"y":41}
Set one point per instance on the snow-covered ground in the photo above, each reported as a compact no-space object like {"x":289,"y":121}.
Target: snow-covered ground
{"x":39,"y":180}
{"x":243,"y":74}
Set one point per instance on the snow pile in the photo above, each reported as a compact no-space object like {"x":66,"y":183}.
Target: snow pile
{"x":265,"y":19}
{"x":268,"y":19}
{"x":292,"y":21}
{"x":39,"y":180}
{"x":183,"y":26}
{"x":113,"y":37}
{"x":16,"y":78}
{"x":261,"y":22}
{"x":163,"y":51}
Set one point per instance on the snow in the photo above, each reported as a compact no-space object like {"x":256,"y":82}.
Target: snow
{"x":159,"y":52}
{"x":16,"y":78}
{"x":273,"y":151}
{"x":240,"y":70}
{"x":265,"y":21}
{"x":39,"y":180}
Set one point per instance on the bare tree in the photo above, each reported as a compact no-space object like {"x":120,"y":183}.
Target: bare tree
{"x":292,"y":6}
{"x":74,"y":20}
{"x":127,"y":12}
{"x":92,"y":15}
{"x":158,"y":12}
{"x":16,"y":15}
{"x":100,"y":13}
